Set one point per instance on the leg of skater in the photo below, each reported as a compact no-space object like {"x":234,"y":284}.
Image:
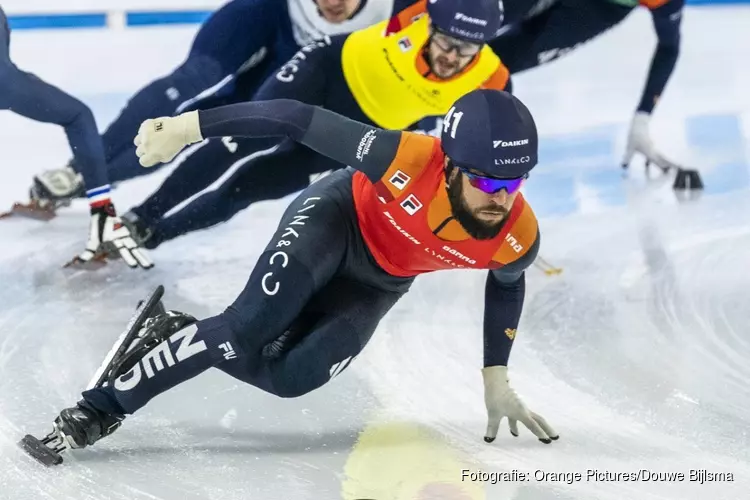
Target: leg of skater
{"x":302,"y":257}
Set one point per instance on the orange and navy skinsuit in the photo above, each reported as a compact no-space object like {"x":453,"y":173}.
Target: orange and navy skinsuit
{"x":401,"y":204}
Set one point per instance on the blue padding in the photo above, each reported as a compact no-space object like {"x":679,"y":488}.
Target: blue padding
{"x":31,"y":22}
{"x":717,"y":2}
{"x":169,"y":17}
{"x":157,"y":18}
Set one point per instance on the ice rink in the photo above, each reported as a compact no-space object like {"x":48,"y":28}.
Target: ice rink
{"x":637,"y":353}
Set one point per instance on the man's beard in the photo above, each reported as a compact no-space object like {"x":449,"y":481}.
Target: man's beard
{"x":477,"y":229}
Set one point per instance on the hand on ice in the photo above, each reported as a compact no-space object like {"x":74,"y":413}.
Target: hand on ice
{"x":639,"y":141}
{"x":502,"y":401}
{"x":160,"y":139}
{"x":107,"y":235}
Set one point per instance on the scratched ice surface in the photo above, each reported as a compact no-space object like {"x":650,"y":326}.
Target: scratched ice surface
{"x":637,"y":353}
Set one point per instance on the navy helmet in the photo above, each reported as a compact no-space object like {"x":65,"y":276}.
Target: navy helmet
{"x":477,"y":21}
{"x":491,"y":132}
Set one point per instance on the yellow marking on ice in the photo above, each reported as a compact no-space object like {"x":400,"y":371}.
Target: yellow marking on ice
{"x":405,"y":461}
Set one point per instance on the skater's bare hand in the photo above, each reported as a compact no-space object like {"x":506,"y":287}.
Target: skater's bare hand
{"x":160,"y":139}
{"x":502,"y":401}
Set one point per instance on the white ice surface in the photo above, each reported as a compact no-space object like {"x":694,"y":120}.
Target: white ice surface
{"x":637,"y":354}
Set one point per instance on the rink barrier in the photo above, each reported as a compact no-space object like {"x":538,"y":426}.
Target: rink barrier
{"x":126,"y":18}
{"x":112,"y":20}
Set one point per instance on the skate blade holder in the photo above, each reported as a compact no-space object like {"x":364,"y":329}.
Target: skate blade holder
{"x":32,"y":210}
{"x":103,"y":256}
{"x":40,"y":450}
{"x":688,"y":184}
{"x":99,"y":261}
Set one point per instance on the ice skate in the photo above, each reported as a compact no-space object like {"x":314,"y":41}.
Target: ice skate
{"x":50,"y":191}
{"x":83,"y":425}
{"x":75,"y":428}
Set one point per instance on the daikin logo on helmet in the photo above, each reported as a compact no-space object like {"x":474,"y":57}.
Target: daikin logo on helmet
{"x":460,"y":16}
{"x":509,"y":144}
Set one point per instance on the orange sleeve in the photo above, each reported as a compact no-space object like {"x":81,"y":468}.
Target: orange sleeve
{"x":520,"y":238}
{"x":415,"y":152}
{"x":653,"y":4}
{"x":407,"y":16}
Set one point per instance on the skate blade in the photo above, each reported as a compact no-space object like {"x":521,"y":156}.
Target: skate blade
{"x":31,"y":210}
{"x":94,"y":264}
{"x":39,"y":451}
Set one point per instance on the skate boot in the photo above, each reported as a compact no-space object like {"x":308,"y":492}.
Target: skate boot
{"x":84,"y":425}
{"x":74,"y":428}
{"x":50,"y":191}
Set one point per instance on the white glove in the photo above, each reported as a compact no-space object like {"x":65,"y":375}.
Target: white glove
{"x":107,"y":233}
{"x":639,"y":141}
{"x":502,"y":401}
{"x":160,"y":139}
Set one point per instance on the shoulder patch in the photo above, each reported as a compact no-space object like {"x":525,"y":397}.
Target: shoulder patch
{"x":415,"y":153}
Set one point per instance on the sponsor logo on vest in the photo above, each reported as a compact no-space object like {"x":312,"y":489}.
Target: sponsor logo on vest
{"x":405,"y":44}
{"x":442,"y":258}
{"x":411,"y":204}
{"x":399,"y":180}
{"x":401,"y":230}
{"x":460,"y":16}
{"x":513,"y":242}
{"x":364,"y":144}
{"x":459,"y":255}
{"x":512,"y":161}
{"x":508,"y":144}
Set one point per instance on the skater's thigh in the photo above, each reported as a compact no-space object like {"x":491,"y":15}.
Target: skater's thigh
{"x":349,"y":315}
{"x":331,"y":331}
{"x":304,"y":253}
{"x":314,"y":229}
{"x":556,"y":31}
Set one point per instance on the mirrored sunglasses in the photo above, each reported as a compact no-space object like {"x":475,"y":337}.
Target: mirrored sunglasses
{"x":492,"y":185}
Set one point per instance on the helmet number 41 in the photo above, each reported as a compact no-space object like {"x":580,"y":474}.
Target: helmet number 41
{"x":451,"y":121}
